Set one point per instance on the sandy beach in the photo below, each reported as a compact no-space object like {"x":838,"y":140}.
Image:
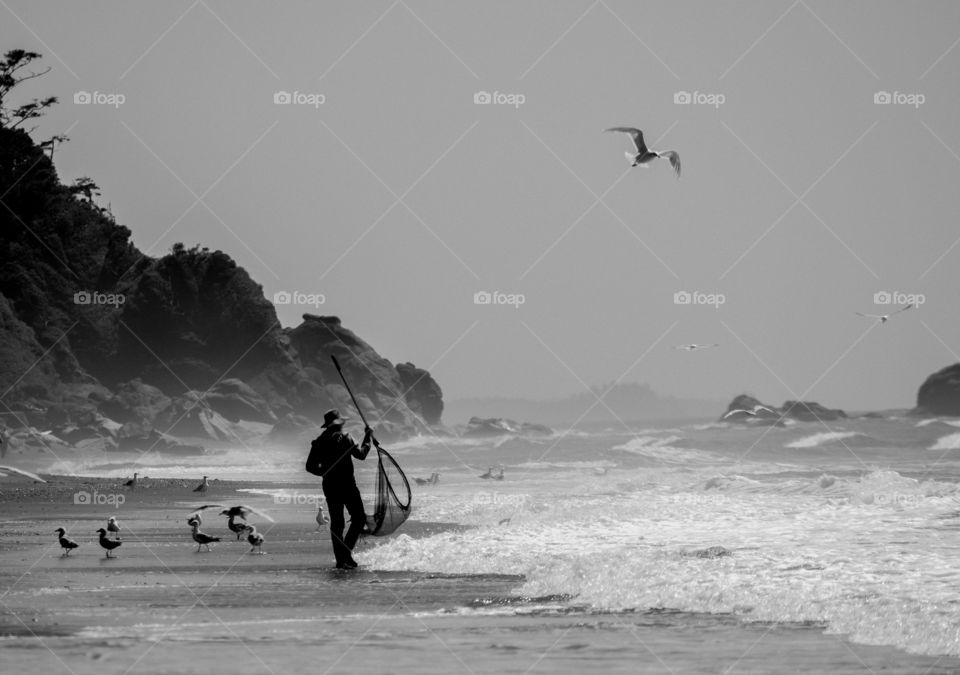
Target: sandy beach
{"x":160,"y":606}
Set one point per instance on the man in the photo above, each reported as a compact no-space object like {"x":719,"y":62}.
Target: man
{"x":330,"y":458}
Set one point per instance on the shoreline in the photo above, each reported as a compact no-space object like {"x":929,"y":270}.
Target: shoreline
{"x":160,"y":606}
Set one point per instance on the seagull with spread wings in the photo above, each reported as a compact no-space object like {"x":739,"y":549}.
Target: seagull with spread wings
{"x":695,"y":347}
{"x":883,"y":318}
{"x":645,"y":155}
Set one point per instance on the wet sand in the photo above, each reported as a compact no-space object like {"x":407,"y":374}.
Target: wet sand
{"x":162,"y":607}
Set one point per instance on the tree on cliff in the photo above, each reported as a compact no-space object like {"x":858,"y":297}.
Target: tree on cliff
{"x":12,"y":73}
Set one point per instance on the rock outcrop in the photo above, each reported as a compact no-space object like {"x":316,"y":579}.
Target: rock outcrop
{"x":940,"y":393}
{"x":185,"y":344}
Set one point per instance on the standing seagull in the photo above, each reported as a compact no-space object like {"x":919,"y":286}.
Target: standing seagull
{"x":255,"y":539}
{"x":199,"y":537}
{"x":695,"y":347}
{"x":133,"y":481}
{"x":66,"y":544}
{"x":112,"y":526}
{"x":883,"y":318}
{"x":644,"y":155}
{"x":322,"y":518}
{"x":108,"y":544}
{"x":202,"y":487}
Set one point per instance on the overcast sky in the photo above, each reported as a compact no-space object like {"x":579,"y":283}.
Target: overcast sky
{"x":384,"y":187}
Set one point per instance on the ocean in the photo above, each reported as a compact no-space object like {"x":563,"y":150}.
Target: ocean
{"x":848,"y":529}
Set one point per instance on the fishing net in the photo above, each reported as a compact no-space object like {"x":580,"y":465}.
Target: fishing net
{"x":393,"y":497}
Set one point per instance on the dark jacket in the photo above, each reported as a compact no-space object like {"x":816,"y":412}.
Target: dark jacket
{"x":330,"y":457}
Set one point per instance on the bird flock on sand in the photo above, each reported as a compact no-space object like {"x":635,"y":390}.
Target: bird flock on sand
{"x":110,"y":538}
{"x":237,"y":516}
{"x":236,"y":522}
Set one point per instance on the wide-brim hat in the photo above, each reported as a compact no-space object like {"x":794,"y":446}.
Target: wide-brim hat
{"x":332,"y":418}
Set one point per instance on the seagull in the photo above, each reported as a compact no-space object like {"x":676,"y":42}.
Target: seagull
{"x":112,"y":526}
{"x":488,"y":474}
{"x":199,"y":537}
{"x":202,"y":487}
{"x":108,"y":544}
{"x":235,"y":527}
{"x":322,"y":518}
{"x":695,"y":347}
{"x":883,"y":318}
{"x":66,"y":544}
{"x":432,"y":480}
{"x":255,"y":538}
{"x":242,"y":511}
{"x":753,"y":413}
{"x":28,"y":474}
{"x":133,"y":481}
{"x":644,"y":155}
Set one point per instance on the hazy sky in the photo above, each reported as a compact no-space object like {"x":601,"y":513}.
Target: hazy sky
{"x":390,"y":192}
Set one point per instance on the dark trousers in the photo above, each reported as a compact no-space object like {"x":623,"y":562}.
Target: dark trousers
{"x":339,"y":498}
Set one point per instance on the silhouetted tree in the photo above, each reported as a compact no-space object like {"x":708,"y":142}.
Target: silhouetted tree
{"x":12,"y":73}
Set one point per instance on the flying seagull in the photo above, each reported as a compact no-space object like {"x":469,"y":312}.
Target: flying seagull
{"x":240,"y":511}
{"x":753,"y":413}
{"x":644,"y":155}
{"x":883,"y":318}
{"x":695,"y":347}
